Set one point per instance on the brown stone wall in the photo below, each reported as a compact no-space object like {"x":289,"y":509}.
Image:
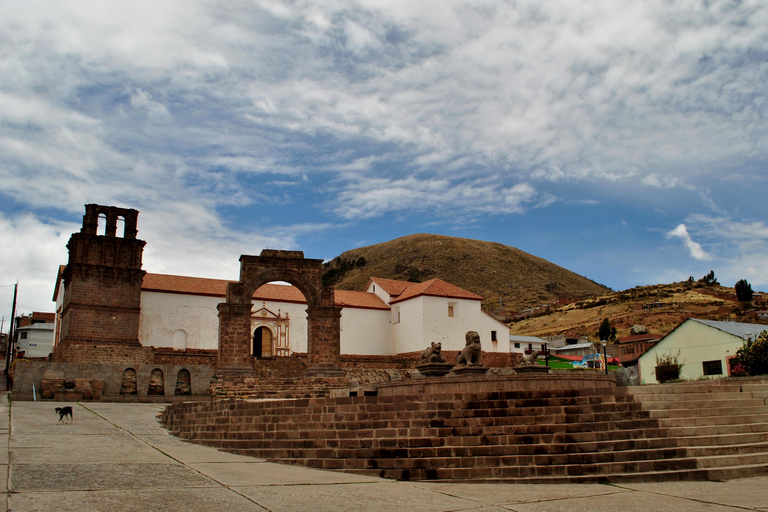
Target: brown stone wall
{"x":107,"y":379}
{"x":234,"y":336}
{"x":101,"y":353}
{"x":169,"y":356}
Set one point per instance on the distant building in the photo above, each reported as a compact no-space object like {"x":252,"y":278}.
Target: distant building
{"x":577,"y":349}
{"x":705,"y":348}
{"x":525,"y":344}
{"x":629,"y":348}
{"x":34,"y":334}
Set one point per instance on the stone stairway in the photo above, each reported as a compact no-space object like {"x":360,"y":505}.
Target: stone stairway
{"x":645,"y":433}
{"x":722,"y":424}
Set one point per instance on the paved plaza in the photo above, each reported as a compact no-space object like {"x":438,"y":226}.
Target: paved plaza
{"x":117,"y":457}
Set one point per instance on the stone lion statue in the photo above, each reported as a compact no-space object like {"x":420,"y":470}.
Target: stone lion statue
{"x":471,"y":354}
{"x":531,"y":358}
{"x":432,"y":354}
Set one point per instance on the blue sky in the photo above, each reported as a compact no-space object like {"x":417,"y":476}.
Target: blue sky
{"x":623,"y":140}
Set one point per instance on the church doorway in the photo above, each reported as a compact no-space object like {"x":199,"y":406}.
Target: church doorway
{"x":262,"y":343}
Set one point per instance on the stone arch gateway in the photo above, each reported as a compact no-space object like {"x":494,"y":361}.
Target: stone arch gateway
{"x":323,"y":316}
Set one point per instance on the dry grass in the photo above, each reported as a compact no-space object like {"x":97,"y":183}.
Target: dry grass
{"x":492,"y":270}
{"x":624,"y":309}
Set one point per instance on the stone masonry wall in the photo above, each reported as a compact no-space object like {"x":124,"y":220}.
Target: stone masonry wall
{"x":111,"y":376}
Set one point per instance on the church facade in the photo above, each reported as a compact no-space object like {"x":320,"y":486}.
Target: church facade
{"x":389,"y":317}
{"x":183,"y":313}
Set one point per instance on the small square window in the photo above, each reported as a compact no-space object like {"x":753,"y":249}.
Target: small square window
{"x":24,"y":335}
{"x":517,"y":345}
{"x":712,"y":367}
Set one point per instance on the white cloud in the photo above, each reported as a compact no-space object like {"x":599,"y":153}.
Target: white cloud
{"x":694,"y":248}
{"x":34,"y":249}
{"x":375,"y":197}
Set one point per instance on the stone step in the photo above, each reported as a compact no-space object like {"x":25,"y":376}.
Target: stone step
{"x":686,"y":397}
{"x":711,"y":386}
{"x":721,"y":439}
{"x":740,"y":451}
{"x":723,"y":411}
{"x":716,"y":430}
{"x":713,"y":420}
{"x":708,"y":403}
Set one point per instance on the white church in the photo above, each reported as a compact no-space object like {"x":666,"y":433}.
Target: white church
{"x":389,"y":317}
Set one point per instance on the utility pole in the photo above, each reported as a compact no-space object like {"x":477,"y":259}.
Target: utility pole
{"x":9,"y":350}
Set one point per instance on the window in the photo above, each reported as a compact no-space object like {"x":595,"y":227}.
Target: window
{"x":451,"y":309}
{"x":24,"y":335}
{"x":713,"y":367}
{"x":517,"y":345}
{"x":493,"y":336}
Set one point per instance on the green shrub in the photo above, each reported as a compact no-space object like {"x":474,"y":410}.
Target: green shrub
{"x":668,"y":367}
{"x":753,"y":356}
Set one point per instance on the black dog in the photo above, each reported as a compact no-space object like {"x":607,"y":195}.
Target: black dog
{"x":64,"y":412}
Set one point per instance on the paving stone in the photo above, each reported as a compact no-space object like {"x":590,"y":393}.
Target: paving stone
{"x":747,"y":492}
{"x":50,"y":449}
{"x":496,"y":494}
{"x":167,"y":500}
{"x":26,"y":477}
{"x":620,"y":501}
{"x":265,"y":473}
{"x":382,"y":496}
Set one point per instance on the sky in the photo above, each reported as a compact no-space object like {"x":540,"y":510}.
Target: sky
{"x":623,"y":140}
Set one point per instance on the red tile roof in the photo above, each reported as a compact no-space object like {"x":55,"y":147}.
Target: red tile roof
{"x":269,"y":292}
{"x":392,"y":286}
{"x":434,"y":288}
{"x":640,"y":337}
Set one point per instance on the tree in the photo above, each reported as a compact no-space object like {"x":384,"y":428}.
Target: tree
{"x":744,"y":291}
{"x":753,"y":356}
{"x":709,"y":279}
{"x":604,"y":332}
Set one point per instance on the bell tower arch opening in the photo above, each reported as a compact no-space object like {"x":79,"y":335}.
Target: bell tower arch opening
{"x":237,"y":340}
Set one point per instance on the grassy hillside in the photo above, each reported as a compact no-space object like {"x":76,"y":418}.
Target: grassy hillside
{"x":624,"y":309}
{"x":504,"y":275}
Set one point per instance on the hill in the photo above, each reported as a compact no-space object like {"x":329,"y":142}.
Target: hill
{"x":666,"y":306}
{"x":503,"y":275}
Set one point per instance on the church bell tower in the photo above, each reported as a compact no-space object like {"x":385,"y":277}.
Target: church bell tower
{"x":102,"y":287}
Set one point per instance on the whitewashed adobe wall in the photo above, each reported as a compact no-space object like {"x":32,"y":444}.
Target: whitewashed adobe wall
{"x":164,"y":314}
{"x":366,"y":332}
{"x":425,"y":319}
{"x":696,"y":343}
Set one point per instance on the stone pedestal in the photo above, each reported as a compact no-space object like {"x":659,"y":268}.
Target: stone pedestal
{"x":470,"y":370}
{"x":434,"y":369}
{"x":531,"y":368}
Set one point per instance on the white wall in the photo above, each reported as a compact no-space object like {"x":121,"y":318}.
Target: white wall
{"x":39,"y":341}
{"x":696,"y":343}
{"x":408,"y":334}
{"x":425,"y":319}
{"x":366,"y":332}
{"x":162,"y":314}
{"x":377,"y":290}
